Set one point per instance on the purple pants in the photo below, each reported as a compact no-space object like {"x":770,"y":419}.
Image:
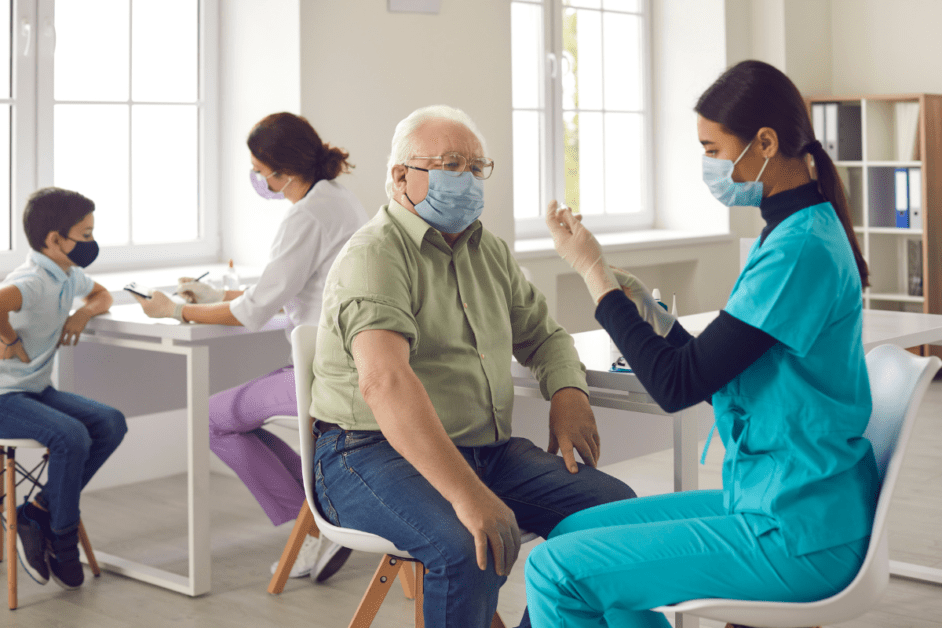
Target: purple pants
{"x":267,"y":465}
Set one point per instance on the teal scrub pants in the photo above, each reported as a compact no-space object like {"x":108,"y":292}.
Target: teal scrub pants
{"x":605,"y":566}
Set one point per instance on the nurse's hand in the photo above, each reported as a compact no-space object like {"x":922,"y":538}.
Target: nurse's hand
{"x":159,"y":305}
{"x":578,"y":246}
{"x":199,"y":292}
{"x":572,"y":425}
{"x":660,"y":319}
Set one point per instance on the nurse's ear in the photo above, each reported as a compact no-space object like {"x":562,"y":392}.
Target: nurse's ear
{"x":767,"y":139}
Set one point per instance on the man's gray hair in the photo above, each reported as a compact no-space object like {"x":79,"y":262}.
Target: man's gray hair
{"x":403,"y":145}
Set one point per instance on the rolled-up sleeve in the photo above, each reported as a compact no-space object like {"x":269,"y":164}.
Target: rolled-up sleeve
{"x":539,"y":342}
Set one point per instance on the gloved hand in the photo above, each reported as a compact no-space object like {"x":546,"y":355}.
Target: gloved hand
{"x":660,"y":319}
{"x":161,"y":306}
{"x":578,"y":246}
{"x":198,"y":292}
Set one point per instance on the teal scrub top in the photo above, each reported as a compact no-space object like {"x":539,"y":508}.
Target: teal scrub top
{"x":793,"y":422}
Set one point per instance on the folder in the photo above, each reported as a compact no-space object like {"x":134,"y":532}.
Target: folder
{"x":902,"y":198}
{"x":830,"y":129}
{"x":817,"y":121}
{"x":915,"y":198}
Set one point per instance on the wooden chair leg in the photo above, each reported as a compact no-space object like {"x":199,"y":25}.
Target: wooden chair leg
{"x":303,"y":526}
{"x":407,"y":579}
{"x":375,"y":593}
{"x":497,"y":622}
{"x":87,"y":548}
{"x":11,"y":525}
{"x":419,"y":595}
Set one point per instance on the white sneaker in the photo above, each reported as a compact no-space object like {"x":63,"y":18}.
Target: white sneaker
{"x":307,"y":557}
{"x":332,"y":559}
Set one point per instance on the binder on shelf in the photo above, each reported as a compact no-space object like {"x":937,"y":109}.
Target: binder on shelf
{"x":830,"y":129}
{"x":907,"y":131}
{"x":915,"y":198}
{"x":817,"y":121}
{"x":914,"y":267}
{"x":902,"y":198}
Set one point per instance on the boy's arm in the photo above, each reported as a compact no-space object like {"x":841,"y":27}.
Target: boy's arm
{"x":97,"y":302}
{"x":11,"y":300}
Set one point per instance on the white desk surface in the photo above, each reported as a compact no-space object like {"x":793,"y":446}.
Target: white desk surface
{"x":130,"y":320}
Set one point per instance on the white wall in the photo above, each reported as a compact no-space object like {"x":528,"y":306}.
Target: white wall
{"x":883,"y":47}
{"x":364,"y":69}
{"x":259,"y":74}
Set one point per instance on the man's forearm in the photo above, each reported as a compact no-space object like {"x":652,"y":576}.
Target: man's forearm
{"x":408,"y":420}
{"x":98,"y":303}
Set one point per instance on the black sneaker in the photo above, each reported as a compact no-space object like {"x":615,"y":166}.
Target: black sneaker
{"x":31,"y":545}
{"x":64,"y":564}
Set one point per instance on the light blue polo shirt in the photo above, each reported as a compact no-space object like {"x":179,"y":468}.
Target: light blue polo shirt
{"x":793,"y":422}
{"x":48,"y":293}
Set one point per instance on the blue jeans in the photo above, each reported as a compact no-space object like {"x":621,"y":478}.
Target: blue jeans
{"x":80,"y":434}
{"x":364,"y":484}
{"x":606,"y":566}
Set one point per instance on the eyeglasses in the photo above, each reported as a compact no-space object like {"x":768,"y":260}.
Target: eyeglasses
{"x":454,"y":164}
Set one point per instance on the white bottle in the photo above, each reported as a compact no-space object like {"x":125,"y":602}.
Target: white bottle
{"x":230,"y":280}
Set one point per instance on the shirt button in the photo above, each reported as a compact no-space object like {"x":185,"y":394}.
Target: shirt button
{"x":466,"y":305}
{"x":482,"y":356}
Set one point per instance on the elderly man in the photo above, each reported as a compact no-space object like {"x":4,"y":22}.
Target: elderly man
{"x":413,"y":397}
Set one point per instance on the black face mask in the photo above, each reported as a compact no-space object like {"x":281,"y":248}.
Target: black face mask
{"x":84,"y":253}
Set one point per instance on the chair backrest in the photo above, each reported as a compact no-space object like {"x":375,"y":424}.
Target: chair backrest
{"x":303,"y":346}
{"x":898,"y":382}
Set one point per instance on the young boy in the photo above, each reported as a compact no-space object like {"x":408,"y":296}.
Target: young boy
{"x":35,"y":300}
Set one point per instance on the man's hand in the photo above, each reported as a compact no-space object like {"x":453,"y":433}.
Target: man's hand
{"x":160,"y":306}
{"x":74,"y":326}
{"x":572,"y":425}
{"x":16,"y":351}
{"x":490,"y":522}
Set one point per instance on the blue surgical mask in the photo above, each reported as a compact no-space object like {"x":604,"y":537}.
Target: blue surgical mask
{"x":452,"y":203}
{"x":718,"y":175}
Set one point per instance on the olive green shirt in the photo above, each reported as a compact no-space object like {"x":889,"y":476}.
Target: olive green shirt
{"x":465,"y":310}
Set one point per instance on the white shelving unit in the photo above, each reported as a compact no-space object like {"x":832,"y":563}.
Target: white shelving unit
{"x":890,"y":135}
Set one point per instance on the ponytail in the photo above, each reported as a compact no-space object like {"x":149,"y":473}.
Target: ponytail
{"x":831,"y":187}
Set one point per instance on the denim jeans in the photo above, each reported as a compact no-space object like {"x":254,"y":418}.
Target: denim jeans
{"x":80,"y":434}
{"x":363,"y":483}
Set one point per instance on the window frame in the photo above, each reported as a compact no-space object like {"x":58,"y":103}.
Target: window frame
{"x":32,"y":137}
{"x":552,"y":175}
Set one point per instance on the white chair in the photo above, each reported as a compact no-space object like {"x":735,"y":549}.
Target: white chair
{"x":9,"y":469}
{"x":395,"y":561}
{"x":898,"y":382}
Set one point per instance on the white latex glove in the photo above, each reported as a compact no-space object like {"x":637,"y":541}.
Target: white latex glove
{"x":578,"y":246}
{"x":199,"y":292}
{"x":660,"y":319}
{"x":161,"y":306}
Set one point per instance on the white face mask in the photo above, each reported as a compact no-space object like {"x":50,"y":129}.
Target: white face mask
{"x":718,"y":175}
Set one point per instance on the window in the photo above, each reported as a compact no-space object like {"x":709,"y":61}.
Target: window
{"x":110,"y":98}
{"x":581,"y":112}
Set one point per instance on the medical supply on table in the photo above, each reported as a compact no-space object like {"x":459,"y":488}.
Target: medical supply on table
{"x":230,"y":280}
{"x":139,"y":290}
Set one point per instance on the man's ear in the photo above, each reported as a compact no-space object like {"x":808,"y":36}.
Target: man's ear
{"x":399,"y":178}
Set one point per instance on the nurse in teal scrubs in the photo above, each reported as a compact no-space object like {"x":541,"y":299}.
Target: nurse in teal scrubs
{"x":783,"y":366}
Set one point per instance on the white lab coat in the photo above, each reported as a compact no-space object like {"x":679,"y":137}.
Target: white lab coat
{"x":308,"y":240}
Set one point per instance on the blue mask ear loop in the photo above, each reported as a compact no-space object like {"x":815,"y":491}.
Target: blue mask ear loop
{"x":741,"y":156}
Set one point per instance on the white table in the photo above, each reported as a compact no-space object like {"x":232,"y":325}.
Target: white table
{"x":127,"y":326}
{"x":904,"y":329}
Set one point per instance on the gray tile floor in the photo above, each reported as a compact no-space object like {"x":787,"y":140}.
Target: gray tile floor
{"x":147,"y":522}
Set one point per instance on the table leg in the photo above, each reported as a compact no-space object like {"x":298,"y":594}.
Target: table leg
{"x":197,"y":390}
{"x":685,"y":449}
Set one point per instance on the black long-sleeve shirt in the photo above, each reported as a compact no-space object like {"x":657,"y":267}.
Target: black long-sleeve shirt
{"x":680,"y":371}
